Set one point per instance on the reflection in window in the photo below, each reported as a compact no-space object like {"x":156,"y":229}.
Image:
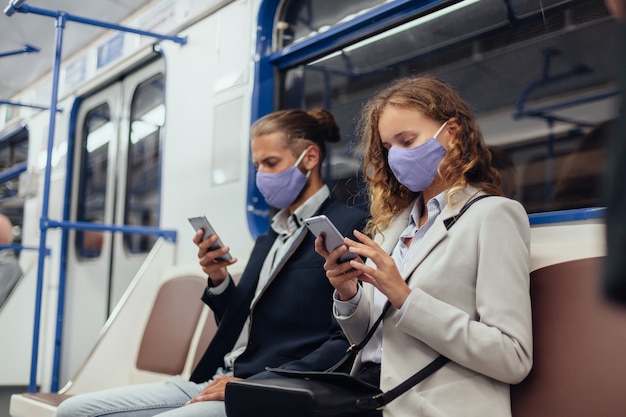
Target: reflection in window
{"x":144,"y":162}
{"x":98,"y":131}
{"x":13,"y":154}
{"x":498,"y":55}
{"x":14,"y":149}
{"x":580,"y":181}
{"x":303,"y":19}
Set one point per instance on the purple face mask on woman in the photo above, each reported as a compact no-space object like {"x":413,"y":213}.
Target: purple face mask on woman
{"x":415,"y":168}
{"x":281,"y":189}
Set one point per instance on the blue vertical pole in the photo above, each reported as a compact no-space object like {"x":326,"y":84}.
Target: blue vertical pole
{"x":43,"y":223}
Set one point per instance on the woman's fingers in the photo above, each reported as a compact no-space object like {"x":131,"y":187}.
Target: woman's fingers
{"x":366,"y":248}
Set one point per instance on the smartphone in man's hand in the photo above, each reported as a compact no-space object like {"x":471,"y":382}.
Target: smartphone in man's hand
{"x":201,"y":222}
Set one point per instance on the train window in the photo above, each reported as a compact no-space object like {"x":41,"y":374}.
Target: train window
{"x":98,"y":131}
{"x":532,"y":72}
{"x":13,"y":148}
{"x":521,"y":8}
{"x":147,"y":117}
{"x":13,"y":156}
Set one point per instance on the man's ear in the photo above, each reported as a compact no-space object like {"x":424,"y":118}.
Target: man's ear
{"x":312,"y":158}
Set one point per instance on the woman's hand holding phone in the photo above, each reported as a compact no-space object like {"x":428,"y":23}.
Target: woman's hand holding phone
{"x":383,"y":274}
{"x":341,"y":274}
{"x":344,"y":276}
{"x":329,"y":243}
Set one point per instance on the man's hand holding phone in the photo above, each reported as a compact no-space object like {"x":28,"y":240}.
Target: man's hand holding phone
{"x":213,"y":256}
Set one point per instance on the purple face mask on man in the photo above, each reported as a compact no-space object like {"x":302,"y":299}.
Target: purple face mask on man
{"x":415,"y":168}
{"x":281,"y":189}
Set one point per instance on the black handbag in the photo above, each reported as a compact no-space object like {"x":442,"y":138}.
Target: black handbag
{"x":318,"y":394}
{"x":308,"y":394}
{"x":323,"y":394}
{"x":315,"y":394}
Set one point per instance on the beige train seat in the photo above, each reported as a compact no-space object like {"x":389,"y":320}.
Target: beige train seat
{"x":579,"y":346}
{"x":167,"y":337}
{"x":170,"y":341}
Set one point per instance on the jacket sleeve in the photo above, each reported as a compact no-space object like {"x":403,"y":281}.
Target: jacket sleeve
{"x":356,"y":325}
{"x":496,"y":338}
{"x":219,"y":302}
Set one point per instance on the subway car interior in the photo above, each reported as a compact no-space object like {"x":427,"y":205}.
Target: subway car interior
{"x":120,"y":119}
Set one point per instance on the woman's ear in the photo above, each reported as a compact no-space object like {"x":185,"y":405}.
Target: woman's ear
{"x":312,"y":158}
{"x":452,"y":129}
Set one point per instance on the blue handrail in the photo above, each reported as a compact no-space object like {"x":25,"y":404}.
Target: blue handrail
{"x":20,"y":6}
{"x":27,"y":49}
{"x":22,"y":247}
{"x":61,"y":18}
{"x":169,"y":235}
{"x":30,"y":106}
{"x":13,"y":172}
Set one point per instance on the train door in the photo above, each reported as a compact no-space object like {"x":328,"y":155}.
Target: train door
{"x":139,"y":172}
{"x":116,"y":181}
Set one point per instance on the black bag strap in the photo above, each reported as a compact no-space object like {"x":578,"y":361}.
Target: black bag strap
{"x":450,"y":222}
{"x":384,"y":398}
{"x":355,"y":348}
{"x":380,"y":400}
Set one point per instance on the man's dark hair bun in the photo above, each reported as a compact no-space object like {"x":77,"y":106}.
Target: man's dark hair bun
{"x":328,"y":123}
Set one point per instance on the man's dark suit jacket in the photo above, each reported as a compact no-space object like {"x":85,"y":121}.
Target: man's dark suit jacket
{"x":292,"y":325}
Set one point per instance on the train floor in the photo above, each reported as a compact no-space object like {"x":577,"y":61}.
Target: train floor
{"x":5,"y":397}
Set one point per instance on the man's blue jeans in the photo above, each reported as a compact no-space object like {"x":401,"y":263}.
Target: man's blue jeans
{"x":163,"y":399}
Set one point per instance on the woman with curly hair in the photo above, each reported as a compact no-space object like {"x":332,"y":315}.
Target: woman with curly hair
{"x":461,"y":291}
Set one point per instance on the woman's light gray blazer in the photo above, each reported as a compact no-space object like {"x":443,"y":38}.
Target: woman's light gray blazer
{"x":470,"y":302}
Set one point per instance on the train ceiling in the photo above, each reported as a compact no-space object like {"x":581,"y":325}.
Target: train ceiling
{"x":21,"y":29}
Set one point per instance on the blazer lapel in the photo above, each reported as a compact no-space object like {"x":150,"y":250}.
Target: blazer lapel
{"x":390,"y":235}
{"x":281,"y":262}
{"x":247,"y":287}
{"x":294,"y":246}
{"x":435,"y":234}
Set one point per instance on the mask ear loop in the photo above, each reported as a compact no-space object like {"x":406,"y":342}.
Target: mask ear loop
{"x":440,"y":129}
{"x":300,"y":158}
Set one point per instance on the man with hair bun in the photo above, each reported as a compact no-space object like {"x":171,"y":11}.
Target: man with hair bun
{"x":279,"y":314}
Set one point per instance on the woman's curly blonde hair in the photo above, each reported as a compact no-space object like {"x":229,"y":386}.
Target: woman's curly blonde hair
{"x":467,"y":161}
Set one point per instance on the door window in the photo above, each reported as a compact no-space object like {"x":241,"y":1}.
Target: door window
{"x":147,"y":117}
{"x":98,"y":132}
